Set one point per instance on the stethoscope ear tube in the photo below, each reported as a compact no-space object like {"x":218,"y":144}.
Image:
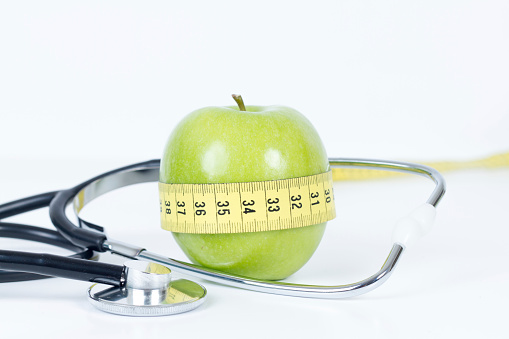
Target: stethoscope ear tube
{"x":81,"y":236}
{"x":78,"y":236}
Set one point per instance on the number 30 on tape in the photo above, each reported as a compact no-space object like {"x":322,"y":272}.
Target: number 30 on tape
{"x":247,"y":206}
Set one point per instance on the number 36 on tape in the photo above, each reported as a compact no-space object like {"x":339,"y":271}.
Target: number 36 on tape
{"x":247,"y":206}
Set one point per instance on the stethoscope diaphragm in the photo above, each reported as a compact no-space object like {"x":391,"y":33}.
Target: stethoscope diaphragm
{"x":181,"y":296}
{"x":148,"y":290}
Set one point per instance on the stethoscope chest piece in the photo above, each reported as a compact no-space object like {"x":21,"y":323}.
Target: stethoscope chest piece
{"x":148,"y":291}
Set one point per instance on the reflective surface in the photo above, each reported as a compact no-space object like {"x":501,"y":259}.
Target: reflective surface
{"x":180,"y":296}
{"x":146,"y":275}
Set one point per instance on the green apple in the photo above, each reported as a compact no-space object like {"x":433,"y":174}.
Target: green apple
{"x":243,"y":144}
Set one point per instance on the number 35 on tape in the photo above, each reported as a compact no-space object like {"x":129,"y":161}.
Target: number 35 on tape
{"x":247,"y":206}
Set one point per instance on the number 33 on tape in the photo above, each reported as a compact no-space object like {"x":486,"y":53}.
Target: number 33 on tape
{"x":247,"y":206}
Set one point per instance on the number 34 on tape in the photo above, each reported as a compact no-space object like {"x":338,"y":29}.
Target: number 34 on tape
{"x":248,"y":206}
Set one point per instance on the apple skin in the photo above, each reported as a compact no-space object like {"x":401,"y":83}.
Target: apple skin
{"x":224,"y":144}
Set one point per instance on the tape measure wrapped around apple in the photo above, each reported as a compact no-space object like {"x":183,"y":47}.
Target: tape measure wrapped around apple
{"x":246,"y":153}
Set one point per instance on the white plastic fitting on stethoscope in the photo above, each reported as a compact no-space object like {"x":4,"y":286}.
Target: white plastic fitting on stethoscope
{"x":410,"y":229}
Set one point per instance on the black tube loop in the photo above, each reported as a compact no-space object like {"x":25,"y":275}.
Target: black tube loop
{"x":22,"y":266}
{"x":80,"y":236}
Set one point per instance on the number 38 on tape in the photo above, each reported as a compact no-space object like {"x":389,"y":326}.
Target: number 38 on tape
{"x":247,"y":206}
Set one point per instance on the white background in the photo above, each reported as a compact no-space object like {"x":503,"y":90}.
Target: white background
{"x":86,"y":87}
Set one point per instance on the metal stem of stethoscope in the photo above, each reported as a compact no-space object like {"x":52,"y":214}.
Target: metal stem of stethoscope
{"x":408,"y":229}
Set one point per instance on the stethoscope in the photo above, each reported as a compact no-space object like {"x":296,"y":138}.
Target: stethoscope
{"x":143,"y":286}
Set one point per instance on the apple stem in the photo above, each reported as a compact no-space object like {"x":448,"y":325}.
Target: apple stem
{"x":239,"y":101}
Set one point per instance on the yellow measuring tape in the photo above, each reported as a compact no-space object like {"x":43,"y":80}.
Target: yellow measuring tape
{"x":495,"y":161}
{"x":247,"y":206}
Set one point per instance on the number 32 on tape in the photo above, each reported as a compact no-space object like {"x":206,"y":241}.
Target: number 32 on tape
{"x":247,"y":206}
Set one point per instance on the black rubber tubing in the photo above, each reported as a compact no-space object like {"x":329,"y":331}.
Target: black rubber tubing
{"x":84,"y":242}
{"x":80,"y":236}
{"x":26,"y":204}
{"x":32,"y":233}
{"x":41,"y":235}
{"x":58,"y":266}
